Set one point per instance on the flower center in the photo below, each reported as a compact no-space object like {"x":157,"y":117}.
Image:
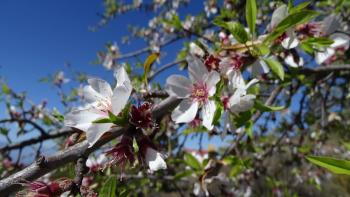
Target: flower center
{"x":236,"y":63}
{"x":199,"y":92}
{"x":212,"y":62}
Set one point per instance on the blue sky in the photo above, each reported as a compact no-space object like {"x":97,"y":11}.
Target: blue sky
{"x":38,"y":37}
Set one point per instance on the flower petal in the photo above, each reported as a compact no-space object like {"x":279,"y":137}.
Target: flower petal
{"x":330,"y":24}
{"x":82,"y":119}
{"x":95,"y":132}
{"x":101,"y":86}
{"x":185,"y":112}
{"x":245,"y":103}
{"x":154,"y":160}
{"x":120,"y":97}
{"x":340,"y":40}
{"x":208,"y":112}
{"x":90,"y":95}
{"x":291,"y":41}
{"x":212,"y":79}
{"x":121,"y":76}
{"x":323,"y":56}
{"x":278,"y":15}
{"x":259,"y":66}
{"x":196,"y":69}
{"x":236,"y":79}
{"x":178,"y":86}
{"x":196,"y":50}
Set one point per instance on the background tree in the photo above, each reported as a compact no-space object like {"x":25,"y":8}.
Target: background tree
{"x":269,"y":78}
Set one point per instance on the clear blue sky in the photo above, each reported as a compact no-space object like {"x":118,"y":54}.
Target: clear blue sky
{"x":38,"y":37}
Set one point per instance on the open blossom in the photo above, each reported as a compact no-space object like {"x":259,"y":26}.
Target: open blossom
{"x":141,"y":116}
{"x":240,"y":101}
{"x":288,"y":39}
{"x":101,"y":100}
{"x":231,"y":67}
{"x":122,"y":153}
{"x":195,"y":93}
{"x":96,"y":163}
{"x":341,"y":43}
{"x":150,"y":156}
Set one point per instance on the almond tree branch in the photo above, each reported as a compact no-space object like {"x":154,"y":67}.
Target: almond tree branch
{"x":60,"y":133}
{"x":71,"y":154}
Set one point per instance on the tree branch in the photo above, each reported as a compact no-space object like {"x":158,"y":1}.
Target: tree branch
{"x":71,"y":154}
{"x":60,"y":133}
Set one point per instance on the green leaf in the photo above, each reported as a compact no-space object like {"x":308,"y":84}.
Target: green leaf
{"x":337,"y":166}
{"x":307,"y":47}
{"x":182,"y":174}
{"x":250,"y":14}
{"x":318,"y":42}
{"x":135,"y":146}
{"x":190,"y":130}
{"x":276,"y":67}
{"x":238,"y":31}
{"x":218,"y":112}
{"x":5,"y":89}
{"x":103,"y":120}
{"x":147,"y":65}
{"x":291,"y":21}
{"x":299,"y":7}
{"x":112,"y":117}
{"x":109,"y":187}
{"x":192,"y":162}
{"x":265,"y":108}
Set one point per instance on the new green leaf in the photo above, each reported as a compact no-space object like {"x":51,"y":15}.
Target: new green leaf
{"x":290,"y":21}
{"x":250,"y":14}
{"x":192,"y":162}
{"x":265,"y":108}
{"x":238,"y":31}
{"x":337,"y":166}
{"x":109,"y":187}
{"x":276,"y":67}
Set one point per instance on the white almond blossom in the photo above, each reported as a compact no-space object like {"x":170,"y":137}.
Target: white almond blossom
{"x":231,"y":67}
{"x":290,"y":61}
{"x":154,"y":160}
{"x":240,"y":101}
{"x":195,"y":93}
{"x":95,"y":163}
{"x":100,"y":99}
{"x":289,"y":39}
{"x":341,"y":41}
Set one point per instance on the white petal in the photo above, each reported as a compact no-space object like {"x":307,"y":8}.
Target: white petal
{"x":323,"y":56}
{"x":101,"y":86}
{"x":340,"y":40}
{"x":330,"y":24}
{"x":154,"y":160}
{"x":236,"y":79}
{"x":245,"y":103}
{"x":259,"y":66}
{"x":196,"y":50}
{"x":208,"y":112}
{"x":212,"y":79}
{"x":95,"y":131}
{"x":121,"y":76}
{"x":289,"y":60}
{"x":196,"y":69}
{"x":178,"y":86}
{"x":185,"y":112}
{"x":81,"y":119}
{"x":251,"y":83}
{"x":291,"y":41}
{"x":90,"y":95}
{"x":120,"y":97}
{"x":278,"y":15}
